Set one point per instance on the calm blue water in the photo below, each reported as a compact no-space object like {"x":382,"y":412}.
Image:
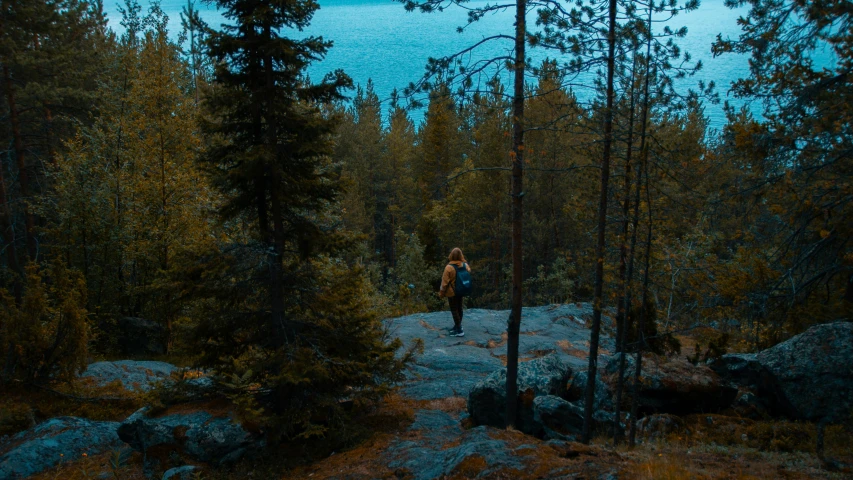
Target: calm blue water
{"x":379,"y":40}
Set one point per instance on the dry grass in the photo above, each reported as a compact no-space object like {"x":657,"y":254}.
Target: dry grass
{"x":718,"y":446}
{"x":449,"y":404}
{"x":95,"y":466}
{"x":494,"y":344}
{"x":570,"y":349}
{"x":676,"y":462}
{"x":693,"y":453}
{"x":764,"y":435}
{"x":21,"y":408}
{"x":540,"y":353}
{"x":365,"y":460}
{"x":659,"y":468}
{"x":431,"y":327}
{"x":470,"y":467}
{"x":574,"y":460}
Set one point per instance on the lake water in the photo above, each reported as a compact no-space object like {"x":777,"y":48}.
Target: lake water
{"x":379,"y":40}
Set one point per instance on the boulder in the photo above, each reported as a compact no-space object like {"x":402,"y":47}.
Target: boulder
{"x":811,"y":374}
{"x":199,"y":435}
{"x":180,"y":473}
{"x":611,"y":367}
{"x":139,"y":336}
{"x":740,"y":369}
{"x":54,"y":441}
{"x":577,"y":387}
{"x":558,"y":418}
{"x":474,"y":454}
{"x":451,"y":366}
{"x":673,"y":386}
{"x":561,"y":419}
{"x":134,"y":375}
{"x":543,"y":376}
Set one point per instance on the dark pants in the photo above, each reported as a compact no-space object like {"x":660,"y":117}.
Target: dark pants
{"x":456,"y":310}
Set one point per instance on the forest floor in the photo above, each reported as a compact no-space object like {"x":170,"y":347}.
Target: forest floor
{"x":423,"y":431}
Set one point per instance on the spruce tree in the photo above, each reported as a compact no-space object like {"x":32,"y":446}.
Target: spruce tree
{"x":274,"y":135}
{"x":287,"y":318}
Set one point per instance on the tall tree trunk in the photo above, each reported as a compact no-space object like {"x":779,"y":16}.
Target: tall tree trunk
{"x":644,"y":154}
{"x":20,"y":157}
{"x":8,"y":234}
{"x":641,"y":324}
{"x":621,"y":308}
{"x":276,"y":269}
{"x":164,"y":262}
{"x":51,"y":150}
{"x":118,"y":201}
{"x":514,"y":324}
{"x":598,"y":302}
{"x":626,"y":261}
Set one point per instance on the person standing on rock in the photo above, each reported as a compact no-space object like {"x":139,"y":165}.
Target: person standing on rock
{"x":456,"y":284}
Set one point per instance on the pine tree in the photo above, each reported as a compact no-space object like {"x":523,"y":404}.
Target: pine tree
{"x":360,"y":149}
{"x":194,"y":31}
{"x":48,"y":52}
{"x":399,"y":152}
{"x":598,"y":300}
{"x":795,"y":166}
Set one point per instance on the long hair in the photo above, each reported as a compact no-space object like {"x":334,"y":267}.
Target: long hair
{"x":456,"y":255}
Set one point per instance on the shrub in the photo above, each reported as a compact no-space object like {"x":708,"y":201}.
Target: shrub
{"x":553,"y":284}
{"x":43,"y":336}
{"x":660,"y":344}
{"x":717,"y":346}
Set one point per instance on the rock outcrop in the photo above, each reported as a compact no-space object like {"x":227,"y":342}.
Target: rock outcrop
{"x":740,"y":369}
{"x":444,"y":446}
{"x":543,"y":376}
{"x":198,"y":434}
{"x":61,"y":439}
{"x":561,"y":419}
{"x":673,"y":386}
{"x":811,"y":374}
{"x":451,"y":366}
{"x":134,"y":375}
{"x":577,"y":388}
{"x":187,"y":472}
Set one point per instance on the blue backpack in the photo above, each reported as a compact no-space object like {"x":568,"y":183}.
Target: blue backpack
{"x":463,"y":286}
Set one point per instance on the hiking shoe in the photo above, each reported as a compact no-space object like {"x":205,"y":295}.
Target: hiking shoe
{"x":457,"y":333}
{"x":453,"y":331}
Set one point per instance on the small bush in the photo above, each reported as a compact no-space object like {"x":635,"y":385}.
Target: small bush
{"x":44,"y":334}
{"x":717,"y":346}
{"x":655,"y":342}
{"x":15,"y":417}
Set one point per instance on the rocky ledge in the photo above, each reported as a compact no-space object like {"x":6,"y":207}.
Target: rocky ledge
{"x":808,"y":377}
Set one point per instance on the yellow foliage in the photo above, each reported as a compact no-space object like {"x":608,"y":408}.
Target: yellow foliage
{"x":43,"y":337}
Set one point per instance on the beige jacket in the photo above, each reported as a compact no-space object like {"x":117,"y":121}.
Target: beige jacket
{"x":448,"y":279}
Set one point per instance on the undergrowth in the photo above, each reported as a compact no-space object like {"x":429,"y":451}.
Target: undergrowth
{"x":22,"y":406}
